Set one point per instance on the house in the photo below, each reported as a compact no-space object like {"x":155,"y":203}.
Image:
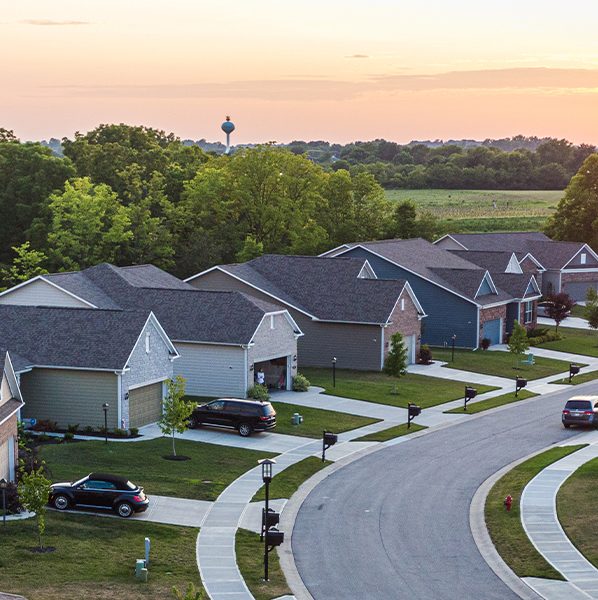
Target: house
{"x":464,"y":302}
{"x":70,"y":361}
{"x":570,"y":267}
{"x":222,"y":338}
{"x":344,"y":311}
{"x":11,"y":402}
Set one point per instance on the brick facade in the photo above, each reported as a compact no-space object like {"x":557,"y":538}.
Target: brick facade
{"x":489,"y":314}
{"x":405,"y":320}
{"x":529,"y":266}
{"x":534,"y":322}
{"x":578,"y":277}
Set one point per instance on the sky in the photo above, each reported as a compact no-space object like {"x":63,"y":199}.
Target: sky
{"x":314,"y":70}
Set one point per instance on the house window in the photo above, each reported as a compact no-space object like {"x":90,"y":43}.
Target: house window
{"x":148,"y":348}
{"x":271,"y":321}
{"x":528,"y":316}
{"x":402,"y":303}
{"x":583,"y":258}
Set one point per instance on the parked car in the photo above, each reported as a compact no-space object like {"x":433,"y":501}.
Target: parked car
{"x":543,"y":309}
{"x":246,"y":416}
{"x":100,"y":491}
{"x":581,"y":410}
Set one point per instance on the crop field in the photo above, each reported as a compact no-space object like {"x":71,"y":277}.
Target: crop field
{"x":484,"y":210}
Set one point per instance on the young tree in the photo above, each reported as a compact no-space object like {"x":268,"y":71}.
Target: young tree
{"x":558,"y":308}
{"x":396,"y":361}
{"x":591,"y":309}
{"x":176,"y":411}
{"x":251,"y":249}
{"x":405,"y":214}
{"x":34,"y":491}
{"x":192,"y":593}
{"x":27,"y":264}
{"x":518,"y":342}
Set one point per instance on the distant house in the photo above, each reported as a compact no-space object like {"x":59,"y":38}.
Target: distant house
{"x":344,"y":311}
{"x":570,"y":267}
{"x":11,"y":402}
{"x":222,"y":338}
{"x":461,"y":298}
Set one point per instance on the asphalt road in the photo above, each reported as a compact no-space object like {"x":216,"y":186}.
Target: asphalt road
{"x":395,"y":524}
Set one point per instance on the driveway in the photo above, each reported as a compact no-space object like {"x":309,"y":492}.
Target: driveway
{"x":575,"y":322}
{"x":395,"y":524}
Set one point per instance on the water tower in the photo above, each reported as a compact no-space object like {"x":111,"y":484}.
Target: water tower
{"x":228,"y":127}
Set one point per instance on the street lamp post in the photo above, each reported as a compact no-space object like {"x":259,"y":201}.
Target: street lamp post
{"x":453,"y":348}
{"x":266,"y":464}
{"x":334,"y":371}
{"x":3,"y":486}
{"x":105,"y":408}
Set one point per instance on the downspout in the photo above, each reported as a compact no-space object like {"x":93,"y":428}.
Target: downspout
{"x":478,"y":329}
{"x":119,"y":401}
{"x":382,"y":328}
{"x":245,"y":370}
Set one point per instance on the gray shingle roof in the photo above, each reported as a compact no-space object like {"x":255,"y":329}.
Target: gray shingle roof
{"x":505,"y":242}
{"x":69,"y":337}
{"x":495,"y":262}
{"x":514,"y":284}
{"x":554,"y":255}
{"x":327,"y":288}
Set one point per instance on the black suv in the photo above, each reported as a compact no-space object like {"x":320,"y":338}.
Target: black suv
{"x":99,"y":490}
{"x":245,"y":416}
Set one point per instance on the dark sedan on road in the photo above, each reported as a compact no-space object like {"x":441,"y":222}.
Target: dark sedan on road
{"x":581,"y":410}
{"x":100,"y":491}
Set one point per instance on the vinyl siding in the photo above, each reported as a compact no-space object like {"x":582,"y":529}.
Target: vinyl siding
{"x":70,"y":396}
{"x":41,"y":293}
{"x":448,"y":314}
{"x":212,"y":370}
{"x":576,"y":262}
{"x":551,"y":282}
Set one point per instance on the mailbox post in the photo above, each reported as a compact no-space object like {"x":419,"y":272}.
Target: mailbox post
{"x":105,"y":408}
{"x":469,"y":394}
{"x":334,"y":372}
{"x":3,"y":486}
{"x":453,"y":347}
{"x":520,"y":383}
{"x":328,"y":439}
{"x":412,"y":411}
{"x":573,"y":370}
{"x":266,"y":464}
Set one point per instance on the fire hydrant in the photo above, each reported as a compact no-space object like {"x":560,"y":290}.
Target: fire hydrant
{"x":508,"y":502}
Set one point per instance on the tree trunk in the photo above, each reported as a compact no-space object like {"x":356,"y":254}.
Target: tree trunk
{"x":173,"y":448}
{"x":39,"y":536}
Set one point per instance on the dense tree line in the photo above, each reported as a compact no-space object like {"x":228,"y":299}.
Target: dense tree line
{"x":133,"y":195}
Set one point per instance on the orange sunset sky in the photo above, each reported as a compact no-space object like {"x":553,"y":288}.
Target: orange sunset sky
{"x":333,"y":70}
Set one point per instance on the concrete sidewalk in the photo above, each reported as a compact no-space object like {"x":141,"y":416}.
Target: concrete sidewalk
{"x":571,"y":322}
{"x":540,"y":521}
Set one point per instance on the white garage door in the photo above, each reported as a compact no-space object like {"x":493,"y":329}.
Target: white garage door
{"x":145,"y":405}
{"x":409,"y":341}
{"x":4,"y":466}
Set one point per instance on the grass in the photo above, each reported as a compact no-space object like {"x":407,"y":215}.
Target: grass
{"x":575,"y":341}
{"x":577,"y":379}
{"x":580,"y":527}
{"x":94,"y":558}
{"x":578,"y":311}
{"x":373,"y":386}
{"x":250,"y":559}
{"x":211,"y":468}
{"x":505,"y":528}
{"x":482,"y":405}
{"x":500,"y":364}
{"x":391,"y":433}
{"x":287,"y":482}
{"x":315,"y":420}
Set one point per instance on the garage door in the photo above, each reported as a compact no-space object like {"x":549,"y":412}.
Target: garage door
{"x":409,"y":341}
{"x":4,"y":470}
{"x":491,"y":330}
{"x":578,"y":290}
{"x":145,"y":405}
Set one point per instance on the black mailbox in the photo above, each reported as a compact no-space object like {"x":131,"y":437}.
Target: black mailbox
{"x":271,"y":519}
{"x":274,"y":537}
{"x":574,"y":369}
{"x":470,"y":392}
{"x":414,"y":410}
{"x":330,"y":439}
{"x":521,"y":383}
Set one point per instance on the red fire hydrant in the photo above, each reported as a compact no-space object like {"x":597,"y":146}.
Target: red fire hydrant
{"x":508,"y":502}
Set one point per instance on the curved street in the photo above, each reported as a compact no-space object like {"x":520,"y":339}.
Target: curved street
{"x":395,"y":524}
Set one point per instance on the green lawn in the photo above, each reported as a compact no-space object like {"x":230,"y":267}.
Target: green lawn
{"x":315,"y":420}
{"x":250,"y":559}
{"x":580,"y":490}
{"x":373,"y":386}
{"x":95,"y":558}
{"x":576,"y":341}
{"x":204,"y":477}
{"x":500,"y":364}
{"x":391,"y":433}
{"x":286,"y":483}
{"x":577,"y":379}
{"x":482,"y":405}
{"x":578,"y":311}
{"x":505,"y":528}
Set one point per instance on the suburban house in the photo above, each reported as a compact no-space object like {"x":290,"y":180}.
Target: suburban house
{"x":11,"y":402}
{"x":570,"y":267}
{"x":221,"y":338}
{"x":70,"y":361}
{"x":343,"y":309}
{"x":464,"y":302}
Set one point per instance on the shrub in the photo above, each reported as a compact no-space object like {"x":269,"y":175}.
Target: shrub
{"x":88,"y":429}
{"x":395,"y":363}
{"x":300,"y":383}
{"x":425,"y":354}
{"x":13,"y":504}
{"x":43,"y":438}
{"x":68,"y":436}
{"x":258,"y":392}
{"x":72,"y":428}
{"x":537,"y":332}
{"x":120,"y":432}
{"x":551,"y":336}
{"x":134,"y":431}
{"x":485,"y":343}
{"x":45,"y":425}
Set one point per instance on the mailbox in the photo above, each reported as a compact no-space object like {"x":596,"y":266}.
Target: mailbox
{"x":414,"y":410}
{"x":521,"y":383}
{"x":274,"y":537}
{"x":330,"y":438}
{"x":574,"y":369}
{"x":271,"y":519}
{"x":470,"y":392}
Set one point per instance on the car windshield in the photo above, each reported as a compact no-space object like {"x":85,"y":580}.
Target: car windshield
{"x":579,"y":404}
{"x":267,"y":409}
{"x":79,"y":481}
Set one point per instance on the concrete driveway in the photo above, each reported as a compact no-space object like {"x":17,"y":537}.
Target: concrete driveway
{"x":573,"y":322}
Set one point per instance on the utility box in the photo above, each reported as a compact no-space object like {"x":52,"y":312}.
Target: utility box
{"x":296,"y":419}
{"x":274,"y":537}
{"x":140,"y":570}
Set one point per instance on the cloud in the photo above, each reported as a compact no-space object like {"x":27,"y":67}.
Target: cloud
{"x":50,"y":22}
{"x":357,"y":56}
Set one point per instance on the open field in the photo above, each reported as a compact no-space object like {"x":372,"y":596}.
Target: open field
{"x":484,"y":210}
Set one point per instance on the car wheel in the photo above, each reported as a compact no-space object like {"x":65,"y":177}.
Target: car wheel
{"x":60,"y":502}
{"x":566,"y":425}
{"x":245,"y":430}
{"x":124,"y":510}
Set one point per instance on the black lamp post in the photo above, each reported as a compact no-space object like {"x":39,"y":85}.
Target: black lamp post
{"x":266,"y":464}
{"x":105,"y":408}
{"x":334,"y":371}
{"x":3,"y":486}
{"x":453,"y":347}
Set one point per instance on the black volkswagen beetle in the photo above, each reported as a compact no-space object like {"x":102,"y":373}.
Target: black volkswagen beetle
{"x":99,"y":490}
